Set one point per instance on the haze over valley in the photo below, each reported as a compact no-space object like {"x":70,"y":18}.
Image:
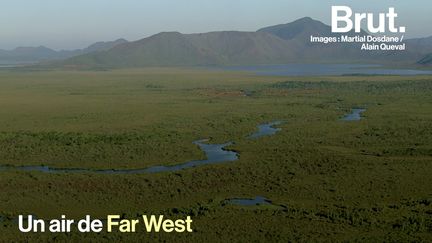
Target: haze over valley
{"x":280,"y":44}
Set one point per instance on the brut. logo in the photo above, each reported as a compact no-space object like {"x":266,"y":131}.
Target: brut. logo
{"x":342,"y":22}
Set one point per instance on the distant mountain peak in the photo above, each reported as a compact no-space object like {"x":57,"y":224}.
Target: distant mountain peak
{"x":104,"y":45}
{"x":25,"y":54}
{"x":279,"y":44}
{"x":304,"y":19}
{"x":168,"y":33}
{"x":121,"y":40}
{"x":299,"y":28}
{"x":302,"y":29}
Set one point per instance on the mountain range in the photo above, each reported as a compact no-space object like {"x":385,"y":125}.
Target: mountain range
{"x":280,"y":44}
{"x":24,"y":55}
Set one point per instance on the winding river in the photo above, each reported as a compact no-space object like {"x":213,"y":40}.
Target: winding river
{"x":215,"y":153}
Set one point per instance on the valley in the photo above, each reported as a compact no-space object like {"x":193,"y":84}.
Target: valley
{"x":366,"y":179}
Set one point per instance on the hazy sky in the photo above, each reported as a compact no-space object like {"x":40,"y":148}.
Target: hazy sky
{"x":69,"y":24}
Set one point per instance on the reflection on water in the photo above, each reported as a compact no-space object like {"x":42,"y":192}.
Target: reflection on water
{"x":249,"y":202}
{"x":215,"y":153}
{"x":325,"y":69}
{"x":355,"y":115}
{"x":266,"y":129}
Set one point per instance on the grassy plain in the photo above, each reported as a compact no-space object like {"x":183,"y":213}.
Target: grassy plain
{"x":358,"y":181}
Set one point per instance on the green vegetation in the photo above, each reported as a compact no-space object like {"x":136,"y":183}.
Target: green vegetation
{"x":366,"y":181}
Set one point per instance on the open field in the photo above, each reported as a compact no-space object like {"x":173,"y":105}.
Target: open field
{"x":367,"y":180}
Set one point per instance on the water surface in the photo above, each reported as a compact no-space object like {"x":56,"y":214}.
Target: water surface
{"x":215,"y":153}
{"x":249,"y":202}
{"x":355,"y":115}
{"x":325,"y":69}
{"x":266,"y":129}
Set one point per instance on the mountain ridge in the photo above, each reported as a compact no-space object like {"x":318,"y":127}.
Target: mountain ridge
{"x":426,"y":60}
{"x":176,"y":49}
{"x":41,"y":53}
{"x":278,"y":44}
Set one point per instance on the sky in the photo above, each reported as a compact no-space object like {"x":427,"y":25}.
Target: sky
{"x":72,"y":24}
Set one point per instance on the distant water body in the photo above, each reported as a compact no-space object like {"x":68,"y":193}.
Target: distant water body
{"x":8,"y":65}
{"x":324,"y":69}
